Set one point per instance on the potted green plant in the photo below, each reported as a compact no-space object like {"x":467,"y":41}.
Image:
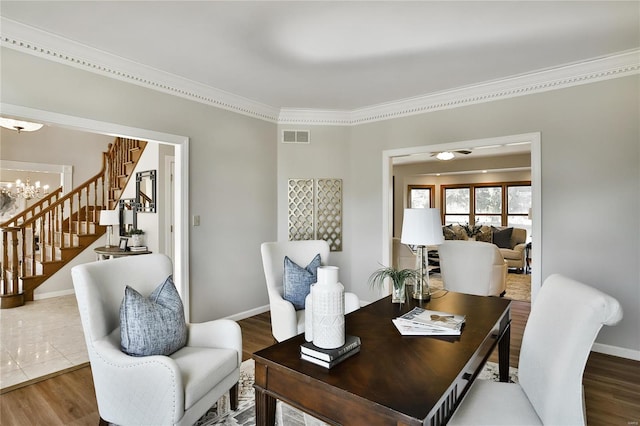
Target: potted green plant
{"x":398,"y":278}
{"x":136,"y":236}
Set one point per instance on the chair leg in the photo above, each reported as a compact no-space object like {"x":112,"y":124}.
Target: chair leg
{"x":233,"y":397}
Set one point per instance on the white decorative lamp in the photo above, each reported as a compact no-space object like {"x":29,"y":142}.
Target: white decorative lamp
{"x":109,"y":218}
{"x":422,"y":227}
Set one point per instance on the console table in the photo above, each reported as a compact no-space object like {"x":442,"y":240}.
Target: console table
{"x":395,"y":379}
{"x":103,"y":253}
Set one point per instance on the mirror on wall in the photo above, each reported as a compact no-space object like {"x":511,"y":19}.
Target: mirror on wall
{"x":146,"y":191}
{"x":128,"y":219}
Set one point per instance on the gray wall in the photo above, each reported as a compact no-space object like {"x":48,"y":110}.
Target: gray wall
{"x":232,"y":170}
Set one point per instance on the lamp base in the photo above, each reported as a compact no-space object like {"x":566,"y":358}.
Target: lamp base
{"x":108,"y":243}
{"x":421,"y":296}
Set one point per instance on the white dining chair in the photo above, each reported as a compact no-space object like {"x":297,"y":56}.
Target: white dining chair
{"x":563,"y":324}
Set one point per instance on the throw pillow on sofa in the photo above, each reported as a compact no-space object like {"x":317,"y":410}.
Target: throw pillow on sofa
{"x":448,"y":232}
{"x":502,"y":237}
{"x":485,"y":235}
{"x":297,"y":280}
{"x":153,"y":325}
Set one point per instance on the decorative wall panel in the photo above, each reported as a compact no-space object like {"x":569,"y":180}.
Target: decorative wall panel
{"x":315,"y":210}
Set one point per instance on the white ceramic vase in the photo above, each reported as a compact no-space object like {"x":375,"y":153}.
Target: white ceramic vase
{"x":328,"y":309}
{"x":308,"y":316}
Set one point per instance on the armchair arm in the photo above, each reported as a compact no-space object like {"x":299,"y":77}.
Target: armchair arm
{"x":498,"y":283}
{"x":520,"y":247}
{"x":284,"y":322}
{"x":140,"y":390}
{"x":222,"y":333}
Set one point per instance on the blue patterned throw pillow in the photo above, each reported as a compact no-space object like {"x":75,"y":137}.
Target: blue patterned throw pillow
{"x":153,"y":325}
{"x":298,"y":280}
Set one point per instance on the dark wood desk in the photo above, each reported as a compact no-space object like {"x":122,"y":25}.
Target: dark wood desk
{"x":395,"y":379}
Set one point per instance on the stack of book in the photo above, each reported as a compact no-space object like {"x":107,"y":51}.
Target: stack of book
{"x":423,"y":322}
{"x":330,"y":357}
{"x":138,"y":248}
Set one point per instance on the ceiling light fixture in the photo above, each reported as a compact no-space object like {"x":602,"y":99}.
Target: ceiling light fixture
{"x":445,"y":155}
{"x":19,"y":126}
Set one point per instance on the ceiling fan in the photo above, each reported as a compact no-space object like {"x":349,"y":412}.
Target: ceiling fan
{"x":450,"y":155}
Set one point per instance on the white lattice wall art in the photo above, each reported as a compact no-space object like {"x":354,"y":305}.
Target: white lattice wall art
{"x":315,"y":210}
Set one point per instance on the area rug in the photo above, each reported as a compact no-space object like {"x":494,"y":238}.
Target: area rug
{"x":518,"y":286}
{"x":221,"y":415}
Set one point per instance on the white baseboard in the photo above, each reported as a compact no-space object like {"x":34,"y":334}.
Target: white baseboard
{"x":246,"y":314}
{"x":48,"y":295}
{"x":616,"y":351}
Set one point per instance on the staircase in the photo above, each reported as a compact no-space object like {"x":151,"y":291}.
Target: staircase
{"x":39,"y":241}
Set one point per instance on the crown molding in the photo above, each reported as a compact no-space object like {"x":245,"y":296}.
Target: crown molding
{"x":591,"y":71}
{"x":30,"y":40}
{"x":36,"y":42}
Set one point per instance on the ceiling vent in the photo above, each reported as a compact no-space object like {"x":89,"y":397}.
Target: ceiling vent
{"x":295,"y":136}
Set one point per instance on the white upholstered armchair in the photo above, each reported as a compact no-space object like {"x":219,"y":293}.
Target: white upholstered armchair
{"x":173,"y":390}
{"x":286,"y":322}
{"x":473,"y":267}
{"x":564,"y":322}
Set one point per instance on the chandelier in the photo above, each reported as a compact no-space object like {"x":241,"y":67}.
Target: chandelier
{"x":28,"y":191}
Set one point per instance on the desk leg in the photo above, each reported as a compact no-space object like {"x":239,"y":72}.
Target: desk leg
{"x":504,"y":347}
{"x":265,"y":408}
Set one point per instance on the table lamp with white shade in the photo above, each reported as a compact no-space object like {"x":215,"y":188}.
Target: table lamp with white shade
{"x":421,"y":228}
{"x":109,"y":218}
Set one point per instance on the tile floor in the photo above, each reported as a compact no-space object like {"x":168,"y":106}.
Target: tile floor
{"x":40,"y":338}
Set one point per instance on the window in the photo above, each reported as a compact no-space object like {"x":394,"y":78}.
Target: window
{"x":457,"y":205}
{"x":518,"y":207}
{"x":495,"y":204}
{"x":488,"y":205}
{"x":420,"y":196}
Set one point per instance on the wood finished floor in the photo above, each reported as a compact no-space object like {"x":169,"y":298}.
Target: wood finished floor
{"x":612,"y":385}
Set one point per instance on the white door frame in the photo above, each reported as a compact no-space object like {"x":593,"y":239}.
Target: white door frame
{"x":169,"y":223}
{"x":181,"y":153}
{"x":536,"y":196}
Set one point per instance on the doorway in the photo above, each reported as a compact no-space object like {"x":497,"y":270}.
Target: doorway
{"x":181,"y":181}
{"x":389,"y":156}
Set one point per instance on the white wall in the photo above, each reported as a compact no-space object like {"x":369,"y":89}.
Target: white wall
{"x":232,"y":170}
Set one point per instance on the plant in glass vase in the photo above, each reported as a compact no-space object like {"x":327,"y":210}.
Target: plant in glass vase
{"x":471,"y":231}
{"x":398,"y":278}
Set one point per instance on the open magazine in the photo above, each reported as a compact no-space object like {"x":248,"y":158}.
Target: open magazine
{"x":425,"y":322}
